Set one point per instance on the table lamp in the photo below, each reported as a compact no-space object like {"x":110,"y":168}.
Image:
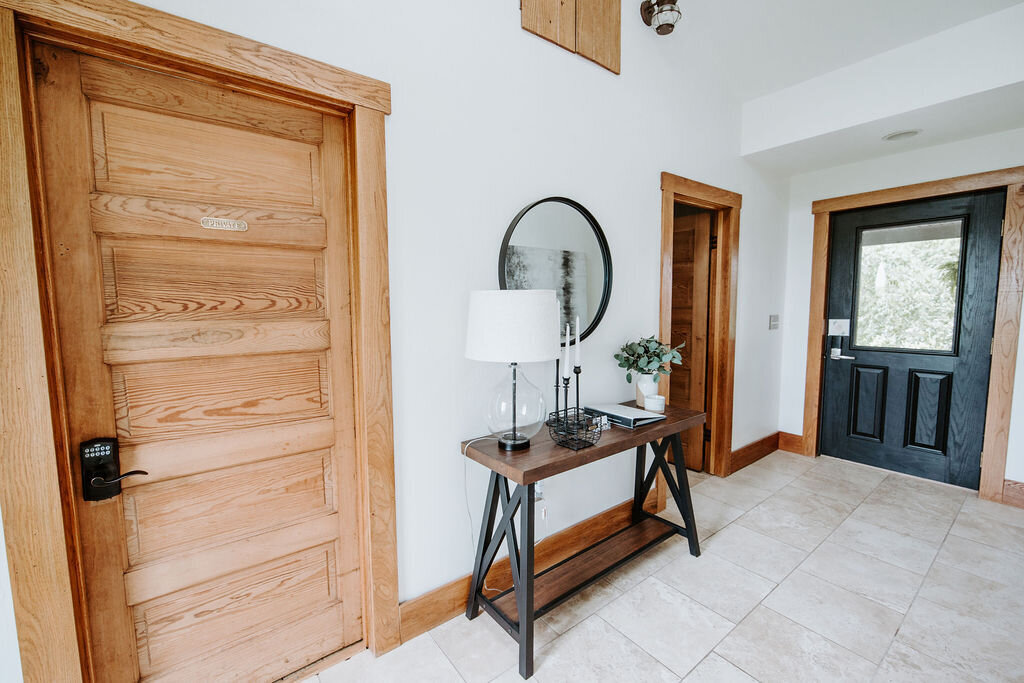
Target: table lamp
{"x":514,"y":326}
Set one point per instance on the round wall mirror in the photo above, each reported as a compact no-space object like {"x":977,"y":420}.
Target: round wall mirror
{"x":555,"y":243}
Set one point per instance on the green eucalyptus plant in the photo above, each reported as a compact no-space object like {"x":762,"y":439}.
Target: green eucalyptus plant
{"x":648,"y":355}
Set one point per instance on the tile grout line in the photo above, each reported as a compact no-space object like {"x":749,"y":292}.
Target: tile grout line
{"x":644,"y":650}
{"x":917,"y":593}
{"x":761,"y":603}
{"x":984,"y":543}
{"x":445,"y":655}
{"x":855,"y":507}
{"x":878,"y":559}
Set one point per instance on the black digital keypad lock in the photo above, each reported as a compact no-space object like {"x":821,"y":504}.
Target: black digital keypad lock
{"x":101,"y":469}
{"x":100,"y":460}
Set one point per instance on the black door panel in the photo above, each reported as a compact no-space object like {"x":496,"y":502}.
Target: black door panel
{"x":918,"y":283}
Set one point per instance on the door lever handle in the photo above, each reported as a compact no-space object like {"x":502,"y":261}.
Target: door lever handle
{"x":100,"y":481}
{"x":837,"y":354}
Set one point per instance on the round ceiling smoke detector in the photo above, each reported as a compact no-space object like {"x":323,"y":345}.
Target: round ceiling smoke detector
{"x":901,"y":135}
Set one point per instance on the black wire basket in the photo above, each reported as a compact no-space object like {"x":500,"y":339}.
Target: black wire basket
{"x":573,"y":428}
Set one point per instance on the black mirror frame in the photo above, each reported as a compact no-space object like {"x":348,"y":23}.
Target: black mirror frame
{"x":602,"y":243}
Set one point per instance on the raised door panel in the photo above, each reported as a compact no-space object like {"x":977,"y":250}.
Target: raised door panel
{"x":180,"y":398}
{"x":144,"y":280}
{"x":225,"y":504}
{"x":152,"y":341}
{"x":209,"y":452}
{"x":121,"y":215}
{"x":151,"y":154}
{"x":203,"y":620}
{"x":928,"y":399}
{"x":107,"y":81}
{"x":266,"y":656}
{"x":867,"y":401}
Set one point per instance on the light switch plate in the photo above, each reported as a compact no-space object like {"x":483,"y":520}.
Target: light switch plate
{"x":773,"y":321}
{"x":839,"y":327}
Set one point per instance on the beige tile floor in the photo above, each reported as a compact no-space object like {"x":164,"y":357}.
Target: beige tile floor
{"x":812,"y":570}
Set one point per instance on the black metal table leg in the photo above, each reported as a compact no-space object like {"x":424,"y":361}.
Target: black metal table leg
{"x":486,"y":529}
{"x":638,"y":483}
{"x":686,"y":502}
{"x":677,"y":483}
{"x":524,"y":597}
{"x":496,"y":529}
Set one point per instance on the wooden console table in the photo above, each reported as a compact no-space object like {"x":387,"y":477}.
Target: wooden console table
{"x":532,"y":596}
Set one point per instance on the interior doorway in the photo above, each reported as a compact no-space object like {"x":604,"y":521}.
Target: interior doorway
{"x":693,"y":276}
{"x":700,"y":232}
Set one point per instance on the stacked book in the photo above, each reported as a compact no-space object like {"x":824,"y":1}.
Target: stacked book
{"x":623,"y":416}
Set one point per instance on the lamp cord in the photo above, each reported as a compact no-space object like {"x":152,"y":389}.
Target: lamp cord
{"x":465,"y":495}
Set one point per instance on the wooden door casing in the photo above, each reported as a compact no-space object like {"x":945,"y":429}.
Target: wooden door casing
{"x":222,"y":360}
{"x":725,"y":230}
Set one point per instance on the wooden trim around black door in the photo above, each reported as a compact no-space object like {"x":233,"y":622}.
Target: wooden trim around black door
{"x":722,"y":320}
{"x":1008,"y":307}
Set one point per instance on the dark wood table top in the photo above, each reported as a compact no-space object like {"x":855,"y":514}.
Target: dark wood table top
{"x":544,"y":458}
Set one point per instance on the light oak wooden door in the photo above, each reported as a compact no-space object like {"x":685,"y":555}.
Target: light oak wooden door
{"x":220,"y":359}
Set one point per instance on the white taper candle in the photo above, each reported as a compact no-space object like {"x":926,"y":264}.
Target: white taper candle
{"x":577,"y":341}
{"x":565,"y":363}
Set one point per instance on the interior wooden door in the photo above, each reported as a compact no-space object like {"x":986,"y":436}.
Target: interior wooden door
{"x":691,"y":256}
{"x":198,"y":257}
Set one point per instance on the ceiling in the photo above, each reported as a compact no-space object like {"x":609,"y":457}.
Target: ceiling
{"x":984,"y":113}
{"x":760,"y":46}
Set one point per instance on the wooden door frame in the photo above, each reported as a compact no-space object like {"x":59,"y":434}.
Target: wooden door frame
{"x":1003,"y":363}
{"x":38,"y":510}
{"x":722,"y":320}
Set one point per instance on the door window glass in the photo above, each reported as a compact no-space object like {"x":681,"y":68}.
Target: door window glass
{"x":907,"y":286}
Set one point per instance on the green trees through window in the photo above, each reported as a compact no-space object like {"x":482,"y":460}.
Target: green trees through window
{"x":907,"y":286}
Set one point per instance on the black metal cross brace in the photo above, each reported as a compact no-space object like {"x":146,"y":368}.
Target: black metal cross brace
{"x":520,"y":556}
{"x":496,"y":528}
{"x":678,"y":486}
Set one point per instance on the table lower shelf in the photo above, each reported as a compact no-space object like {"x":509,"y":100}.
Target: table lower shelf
{"x":558,"y":583}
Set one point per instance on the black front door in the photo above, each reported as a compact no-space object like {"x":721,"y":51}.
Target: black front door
{"x":911,"y":307}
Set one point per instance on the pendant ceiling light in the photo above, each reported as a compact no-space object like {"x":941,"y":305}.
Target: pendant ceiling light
{"x":661,"y":15}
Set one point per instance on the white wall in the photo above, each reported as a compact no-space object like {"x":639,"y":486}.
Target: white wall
{"x":10,"y":657}
{"x":987,"y":153}
{"x":488,"y":118}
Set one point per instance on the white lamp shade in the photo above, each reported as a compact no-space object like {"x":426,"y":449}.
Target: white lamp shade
{"x":513,"y":326}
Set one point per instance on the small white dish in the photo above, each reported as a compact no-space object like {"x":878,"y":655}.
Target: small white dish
{"x":655,"y":403}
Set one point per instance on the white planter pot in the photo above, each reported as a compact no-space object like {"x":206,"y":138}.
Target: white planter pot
{"x":645,"y":386}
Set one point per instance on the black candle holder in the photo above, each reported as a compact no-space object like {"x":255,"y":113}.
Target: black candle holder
{"x":572,"y":427}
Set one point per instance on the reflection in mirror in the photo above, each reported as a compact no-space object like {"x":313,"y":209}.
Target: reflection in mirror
{"x":557,"y":244}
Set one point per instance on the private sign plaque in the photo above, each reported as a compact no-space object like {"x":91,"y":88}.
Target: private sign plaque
{"x":224,"y":224}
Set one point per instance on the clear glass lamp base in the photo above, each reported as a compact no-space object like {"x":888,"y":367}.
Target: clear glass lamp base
{"x":516,"y":412}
